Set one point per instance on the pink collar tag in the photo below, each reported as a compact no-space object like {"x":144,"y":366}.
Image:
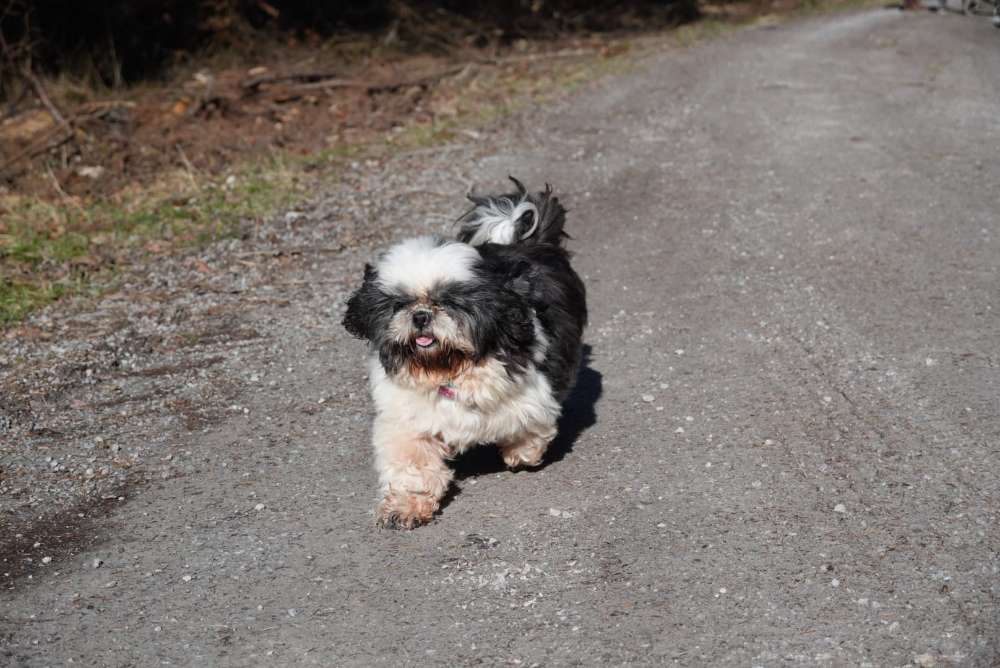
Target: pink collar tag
{"x":446,"y":391}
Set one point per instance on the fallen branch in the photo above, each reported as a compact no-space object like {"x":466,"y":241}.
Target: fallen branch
{"x":255,"y":82}
{"x":43,"y":97}
{"x":388,"y":86}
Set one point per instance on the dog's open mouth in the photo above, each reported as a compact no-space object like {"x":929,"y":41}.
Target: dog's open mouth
{"x":425,"y":341}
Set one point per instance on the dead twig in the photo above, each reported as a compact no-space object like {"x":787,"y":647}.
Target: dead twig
{"x":44,"y":98}
{"x":188,"y":167}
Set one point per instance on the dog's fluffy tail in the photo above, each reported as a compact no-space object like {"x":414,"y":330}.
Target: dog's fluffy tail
{"x":514,"y":218}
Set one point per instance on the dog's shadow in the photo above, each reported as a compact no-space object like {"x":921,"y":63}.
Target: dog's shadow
{"x":579,"y":413}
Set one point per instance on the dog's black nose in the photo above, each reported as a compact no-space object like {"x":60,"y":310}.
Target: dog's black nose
{"x":421,"y":319}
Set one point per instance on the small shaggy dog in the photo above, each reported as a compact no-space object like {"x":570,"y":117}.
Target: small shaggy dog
{"x":472,"y":341}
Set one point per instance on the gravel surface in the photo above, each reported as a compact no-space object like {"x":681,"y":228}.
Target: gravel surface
{"x":781,"y":452}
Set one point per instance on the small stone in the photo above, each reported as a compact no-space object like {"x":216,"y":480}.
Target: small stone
{"x":187,"y":578}
{"x":840,"y":508}
{"x":827,"y":399}
{"x":109,"y":585}
{"x":722,"y":590}
{"x":689,"y":418}
{"x":834,"y":582}
{"x":679,"y":430}
{"x":925,"y":660}
{"x":664,"y":386}
{"x":679,"y":351}
{"x":96,"y":563}
{"x":292,"y":612}
{"x":259,"y":506}
{"x":648,"y":398}
{"x":46,"y":560}
{"x":768,"y":441}
{"x":555,"y":512}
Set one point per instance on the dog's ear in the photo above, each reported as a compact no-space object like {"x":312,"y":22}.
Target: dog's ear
{"x":359,"y":319}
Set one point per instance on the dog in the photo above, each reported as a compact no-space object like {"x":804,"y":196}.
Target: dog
{"x":475,"y":340}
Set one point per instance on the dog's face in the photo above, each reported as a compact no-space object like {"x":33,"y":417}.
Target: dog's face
{"x":431,"y":311}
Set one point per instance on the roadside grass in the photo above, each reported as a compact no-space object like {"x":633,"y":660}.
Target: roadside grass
{"x":52,"y":248}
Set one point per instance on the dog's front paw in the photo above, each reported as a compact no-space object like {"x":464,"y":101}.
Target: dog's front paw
{"x":527,"y":454}
{"x":402,"y":510}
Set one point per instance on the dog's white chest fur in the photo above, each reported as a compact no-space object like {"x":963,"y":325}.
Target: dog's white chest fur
{"x":482,"y":405}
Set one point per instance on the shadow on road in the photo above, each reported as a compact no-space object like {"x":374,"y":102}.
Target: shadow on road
{"x":579,"y":413}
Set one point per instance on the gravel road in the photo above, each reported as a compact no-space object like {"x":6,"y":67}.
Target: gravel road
{"x":783,"y":449}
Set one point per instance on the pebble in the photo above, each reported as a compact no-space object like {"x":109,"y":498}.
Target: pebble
{"x":109,"y":585}
{"x":46,"y":560}
{"x":925,"y":660}
{"x":840,"y":508}
{"x":259,"y":506}
{"x":648,"y":398}
{"x":96,"y":563}
{"x":679,"y":430}
{"x":186,"y":578}
{"x":834,"y":582}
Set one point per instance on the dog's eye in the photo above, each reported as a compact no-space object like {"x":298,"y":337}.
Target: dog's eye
{"x":399,"y":303}
{"x":527,"y":219}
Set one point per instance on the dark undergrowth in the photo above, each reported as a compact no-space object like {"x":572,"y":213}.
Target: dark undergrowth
{"x":118,"y":42}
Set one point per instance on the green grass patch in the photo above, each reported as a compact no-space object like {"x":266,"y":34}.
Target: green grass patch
{"x":51,"y":250}
{"x":17,"y":299}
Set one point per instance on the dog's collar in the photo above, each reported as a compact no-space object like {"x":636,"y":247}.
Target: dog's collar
{"x":447,"y":390}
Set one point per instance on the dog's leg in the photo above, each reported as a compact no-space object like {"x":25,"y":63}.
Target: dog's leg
{"x":412,"y":473}
{"x":527,"y":449}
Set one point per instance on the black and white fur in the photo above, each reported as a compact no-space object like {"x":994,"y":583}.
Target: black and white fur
{"x":474,"y":341}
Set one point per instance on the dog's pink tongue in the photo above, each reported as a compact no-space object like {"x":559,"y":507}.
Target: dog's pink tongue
{"x":425,"y":341}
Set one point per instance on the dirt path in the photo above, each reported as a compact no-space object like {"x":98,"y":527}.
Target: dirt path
{"x":789,"y":237}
